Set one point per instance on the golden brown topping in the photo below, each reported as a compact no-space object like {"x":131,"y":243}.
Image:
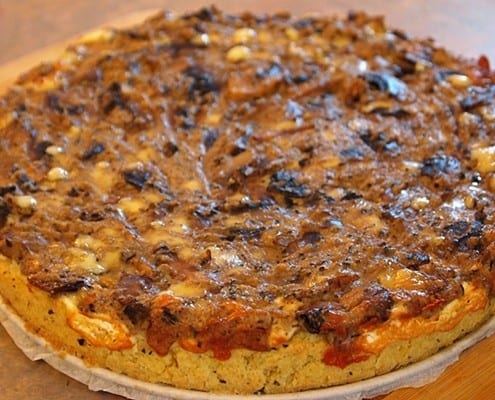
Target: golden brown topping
{"x":251,"y":176}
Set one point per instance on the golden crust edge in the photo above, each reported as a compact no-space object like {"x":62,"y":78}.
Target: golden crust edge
{"x":293,"y":368}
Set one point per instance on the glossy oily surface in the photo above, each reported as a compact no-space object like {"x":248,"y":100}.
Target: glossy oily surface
{"x":289,"y":180}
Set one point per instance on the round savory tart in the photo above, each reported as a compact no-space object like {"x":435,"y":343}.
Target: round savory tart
{"x":250,"y":203}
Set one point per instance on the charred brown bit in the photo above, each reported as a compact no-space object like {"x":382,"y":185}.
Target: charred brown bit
{"x":93,"y":151}
{"x":136,"y":177}
{"x":211,"y":178}
{"x":202,"y":82}
{"x":286,"y":183}
{"x":386,"y":83}
{"x":4,"y":212}
{"x":60,"y":284}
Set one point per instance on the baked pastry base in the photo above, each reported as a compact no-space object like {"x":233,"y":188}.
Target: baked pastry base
{"x":99,"y":379}
{"x":37,"y":348}
{"x":293,"y":369}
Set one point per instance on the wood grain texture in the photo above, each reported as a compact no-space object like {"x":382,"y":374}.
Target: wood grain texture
{"x":470,"y":378}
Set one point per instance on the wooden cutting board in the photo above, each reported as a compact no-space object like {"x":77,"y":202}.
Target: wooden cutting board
{"x":472,"y":377}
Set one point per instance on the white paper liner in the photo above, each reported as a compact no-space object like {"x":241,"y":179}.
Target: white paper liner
{"x":415,"y":375}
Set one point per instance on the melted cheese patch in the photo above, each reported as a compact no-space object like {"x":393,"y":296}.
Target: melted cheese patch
{"x":283,"y":329}
{"x":225,"y":257}
{"x":186,"y":289}
{"x":131,"y":205}
{"x":103,"y":176}
{"x":281,"y":332}
{"x":100,"y":330}
{"x":88,"y":242}
{"x":376,"y":340}
{"x":112,"y":259}
{"x":173,"y":232}
{"x":83,"y":261}
{"x":402,"y":278}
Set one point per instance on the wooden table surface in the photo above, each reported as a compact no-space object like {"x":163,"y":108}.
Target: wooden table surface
{"x":464,"y":26}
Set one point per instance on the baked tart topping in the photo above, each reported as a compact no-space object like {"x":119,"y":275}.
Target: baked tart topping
{"x":224,"y":181}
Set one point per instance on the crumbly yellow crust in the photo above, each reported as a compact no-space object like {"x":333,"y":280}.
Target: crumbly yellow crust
{"x":295,"y":367}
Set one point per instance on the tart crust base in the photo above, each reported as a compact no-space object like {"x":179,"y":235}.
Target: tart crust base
{"x":293,"y":368}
